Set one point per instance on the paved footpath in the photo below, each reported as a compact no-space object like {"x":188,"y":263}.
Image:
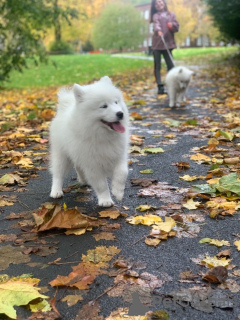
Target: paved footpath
{"x":151,"y":277}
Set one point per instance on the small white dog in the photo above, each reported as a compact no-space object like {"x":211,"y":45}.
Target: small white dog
{"x":90,"y":133}
{"x":177,"y":81}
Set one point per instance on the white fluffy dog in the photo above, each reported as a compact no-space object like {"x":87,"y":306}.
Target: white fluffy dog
{"x":177,"y":81}
{"x":90,"y":133}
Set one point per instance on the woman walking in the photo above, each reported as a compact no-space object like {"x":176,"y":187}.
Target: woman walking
{"x":164,"y":25}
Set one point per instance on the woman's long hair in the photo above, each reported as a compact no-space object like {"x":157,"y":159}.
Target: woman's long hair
{"x":154,"y":10}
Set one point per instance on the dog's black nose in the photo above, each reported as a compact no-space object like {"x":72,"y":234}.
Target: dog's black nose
{"x":119,"y":114}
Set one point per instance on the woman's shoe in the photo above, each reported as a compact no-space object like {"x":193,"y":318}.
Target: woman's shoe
{"x":161,"y":89}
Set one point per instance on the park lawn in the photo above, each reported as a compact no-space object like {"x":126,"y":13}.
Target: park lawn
{"x":69,"y":69}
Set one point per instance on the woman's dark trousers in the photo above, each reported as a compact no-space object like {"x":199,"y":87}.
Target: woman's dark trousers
{"x":157,"y":54}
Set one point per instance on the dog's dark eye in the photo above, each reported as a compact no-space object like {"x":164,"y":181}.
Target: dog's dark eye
{"x":104,"y":106}
{"x":116,"y":102}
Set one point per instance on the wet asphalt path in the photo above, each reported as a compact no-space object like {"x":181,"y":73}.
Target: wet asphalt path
{"x":170,"y":257}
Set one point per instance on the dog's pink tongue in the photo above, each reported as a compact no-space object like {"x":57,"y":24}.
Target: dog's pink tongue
{"x":118,"y":127}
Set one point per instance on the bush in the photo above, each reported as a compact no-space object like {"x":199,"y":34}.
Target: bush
{"x":61,"y":47}
{"x":87,"y":46}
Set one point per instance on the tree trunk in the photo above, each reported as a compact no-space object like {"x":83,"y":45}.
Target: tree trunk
{"x":57,"y":24}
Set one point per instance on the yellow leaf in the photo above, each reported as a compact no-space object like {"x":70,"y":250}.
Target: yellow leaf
{"x":213,"y":141}
{"x":145,"y":207}
{"x":25,"y":163}
{"x":165,"y":226}
{"x":146,"y":171}
{"x":212,"y":181}
{"x":42,"y":306}
{"x":191,"y":205}
{"x":147,"y":220}
{"x":170,"y":136}
{"x":152,"y":242}
{"x":200,"y":157}
{"x":17,"y":293}
{"x":186,"y":177}
{"x":219,"y":243}
{"x":237,"y":244}
{"x":212,"y":262}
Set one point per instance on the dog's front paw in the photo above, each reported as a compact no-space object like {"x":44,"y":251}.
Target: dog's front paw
{"x":105,"y":202}
{"x":56,"y":194}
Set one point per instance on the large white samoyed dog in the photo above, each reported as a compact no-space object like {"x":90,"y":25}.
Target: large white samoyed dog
{"x":177,"y":81}
{"x":90,"y":133}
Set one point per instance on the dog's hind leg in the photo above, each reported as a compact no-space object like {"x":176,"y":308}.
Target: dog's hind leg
{"x":81,"y":178}
{"x":60,"y":166}
{"x":118,"y":180}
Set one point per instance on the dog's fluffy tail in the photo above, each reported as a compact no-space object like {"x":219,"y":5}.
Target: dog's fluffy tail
{"x":65,"y":99}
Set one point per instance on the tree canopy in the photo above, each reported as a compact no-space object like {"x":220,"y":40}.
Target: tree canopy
{"x":226,"y":15}
{"x":22,"y":27}
{"x":119,"y":26}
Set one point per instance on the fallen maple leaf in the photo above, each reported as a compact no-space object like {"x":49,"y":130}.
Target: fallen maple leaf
{"x":216,"y":275}
{"x":152,"y":241}
{"x":231,"y":285}
{"x":186,"y":177}
{"x":143,"y":182}
{"x":146,"y":220}
{"x":215,"y":242}
{"x":113,"y":214}
{"x":153,"y":150}
{"x":101,"y":255}
{"x":89,"y":311}
{"x":191,"y":205}
{"x":12,"y":255}
{"x":145,"y":207}
{"x":165,"y":226}
{"x":18,"y":292}
{"x":72,"y":299}
{"x":146,"y":171}
{"x":81,"y":277}
{"x":200,"y":158}
{"x":211,"y":262}
{"x":237,"y":244}
{"x":229,"y":135}
{"x":109,"y":236}
{"x":53,"y":216}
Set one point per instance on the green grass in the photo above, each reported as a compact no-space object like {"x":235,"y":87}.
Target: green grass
{"x":204,"y":54}
{"x":73,"y":68}
{"x":68,"y":69}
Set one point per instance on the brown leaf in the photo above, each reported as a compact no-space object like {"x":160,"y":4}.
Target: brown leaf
{"x":177,"y":218}
{"x":10,"y":255}
{"x":72,"y":299}
{"x":216,"y":275}
{"x":187,"y":275}
{"x":113,"y":214}
{"x":224,"y":253}
{"x":89,"y":311}
{"x":105,"y":236}
{"x":55,"y":217}
{"x":82,"y":275}
{"x":143,"y":182}
{"x":230,"y":284}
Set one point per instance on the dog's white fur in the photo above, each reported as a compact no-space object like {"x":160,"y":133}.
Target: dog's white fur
{"x":177,"y":81}
{"x":79,"y":138}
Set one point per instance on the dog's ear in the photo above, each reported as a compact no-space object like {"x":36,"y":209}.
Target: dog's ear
{"x":78,"y":92}
{"x":106,"y":79}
